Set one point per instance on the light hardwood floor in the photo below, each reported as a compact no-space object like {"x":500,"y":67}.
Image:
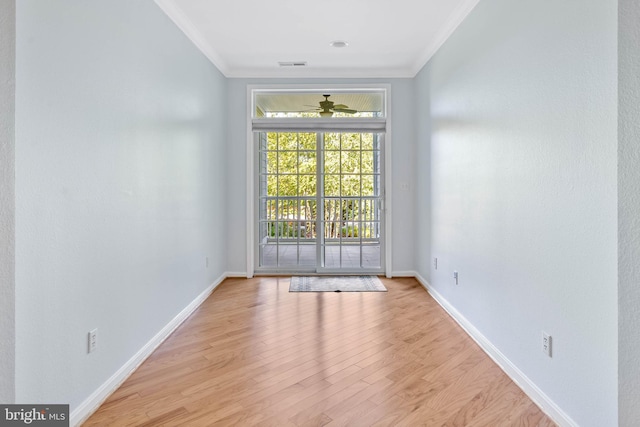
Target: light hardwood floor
{"x":255,"y":354}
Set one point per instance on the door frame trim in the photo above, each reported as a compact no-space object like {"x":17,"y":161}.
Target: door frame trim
{"x":251,"y":214}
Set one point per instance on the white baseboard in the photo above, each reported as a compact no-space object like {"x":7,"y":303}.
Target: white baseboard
{"x":403,"y":274}
{"x":236,"y":274}
{"x":547,"y":405}
{"x":97,"y":398}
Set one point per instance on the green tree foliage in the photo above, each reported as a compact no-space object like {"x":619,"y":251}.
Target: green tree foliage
{"x":292,"y":164}
{"x":348,"y":162}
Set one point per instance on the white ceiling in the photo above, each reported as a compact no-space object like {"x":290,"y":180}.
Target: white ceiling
{"x":387,"y":38}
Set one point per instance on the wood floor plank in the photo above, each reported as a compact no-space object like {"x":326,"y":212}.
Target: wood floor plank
{"x":355,"y":416}
{"x":375,"y":413}
{"x":437,"y":408}
{"x":342,"y":411}
{"x":324,"y":403}
{"x":309,"y":395}
{"x":255,"y":354}
{"x":524,"y":414}
{"x":490,"y":402}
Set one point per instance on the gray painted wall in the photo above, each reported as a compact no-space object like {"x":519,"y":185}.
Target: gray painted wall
{"x":422,"y":166}
{"x":523,"y":154}
{"x":120,"y":187}
{"x":401,"y":156}
{"x":7,"y":199}
{"x":629,"y":207}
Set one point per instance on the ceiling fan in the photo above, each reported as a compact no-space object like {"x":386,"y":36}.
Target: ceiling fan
{"x":327,"y":108}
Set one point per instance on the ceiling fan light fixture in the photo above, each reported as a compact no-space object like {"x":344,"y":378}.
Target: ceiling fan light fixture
{"x":328,"y":107}
{"x":339,"y":44}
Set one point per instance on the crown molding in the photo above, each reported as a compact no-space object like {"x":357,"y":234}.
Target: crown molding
{"x":310,"y":72}
{"x":186,"y":26}
{"x":454,"y":21}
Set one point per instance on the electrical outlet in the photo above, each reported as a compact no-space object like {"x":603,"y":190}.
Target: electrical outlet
{"x":455,"y":276}
{"x":546,"y":343}
{"x":435,"y":263}
{"x":93,"y":340}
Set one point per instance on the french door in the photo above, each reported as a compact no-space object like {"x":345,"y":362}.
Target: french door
{"x":320,"y":202}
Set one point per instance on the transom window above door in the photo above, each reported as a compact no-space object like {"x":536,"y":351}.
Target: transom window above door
{"x":325,"y":103}
{"x":334,"y":109}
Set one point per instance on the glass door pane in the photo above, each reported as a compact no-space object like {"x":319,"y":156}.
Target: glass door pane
{"x":352,"y":202}
{"x":287,"y":201}
{"x":320,"y":202}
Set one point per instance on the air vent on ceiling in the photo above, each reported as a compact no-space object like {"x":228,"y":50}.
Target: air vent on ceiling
{"x":292,"y":63}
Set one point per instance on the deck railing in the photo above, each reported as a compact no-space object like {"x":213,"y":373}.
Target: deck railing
{"x":356,"y":218}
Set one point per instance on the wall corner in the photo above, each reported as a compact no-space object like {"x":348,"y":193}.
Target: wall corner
{"x":7,"y":199}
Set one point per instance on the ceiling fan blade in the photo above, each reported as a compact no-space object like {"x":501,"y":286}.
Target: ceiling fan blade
{"x":340,"y":106}
{"x":345,"y":110}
